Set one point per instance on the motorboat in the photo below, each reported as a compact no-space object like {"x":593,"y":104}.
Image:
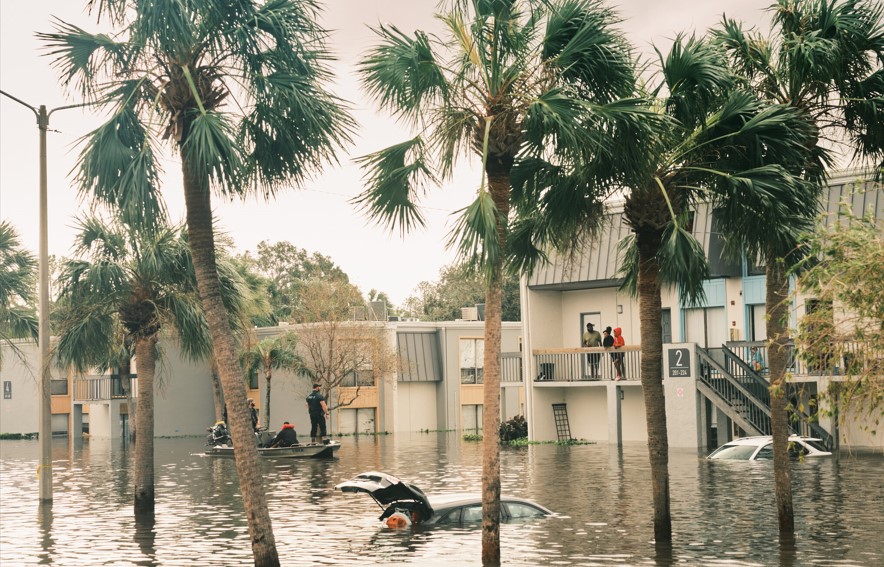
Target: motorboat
{"x":300,"y":451}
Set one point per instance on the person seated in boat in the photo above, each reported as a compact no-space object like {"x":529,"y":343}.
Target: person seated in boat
{"x":286,"y":437}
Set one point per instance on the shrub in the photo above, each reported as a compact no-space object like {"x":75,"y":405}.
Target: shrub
{"x":516,"y":428}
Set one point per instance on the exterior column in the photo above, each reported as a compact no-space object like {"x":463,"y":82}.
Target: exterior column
{"x":615,"y":414}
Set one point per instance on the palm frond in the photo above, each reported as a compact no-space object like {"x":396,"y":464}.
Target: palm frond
{"x":82,"y":57}
{"x":396,"y":177}
{"x":475,"y":235}
{"x":402,"y":74}
{"x":118,"y":168}
{"x":583,"y":43}
{"x":683,"y":263}
{"x":212,"y":150}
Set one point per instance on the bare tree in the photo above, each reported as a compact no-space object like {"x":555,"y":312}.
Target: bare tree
{"x":340,"y":354}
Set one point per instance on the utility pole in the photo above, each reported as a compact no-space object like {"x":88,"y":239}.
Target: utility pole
{"x":44,"y":469}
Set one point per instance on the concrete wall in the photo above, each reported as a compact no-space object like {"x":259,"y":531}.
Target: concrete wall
{"x":634,"y":423}
{"x":183,"y":403}
{"x":587,"y":413}
{"x":416,"y":404}
{"x":21,"y":413}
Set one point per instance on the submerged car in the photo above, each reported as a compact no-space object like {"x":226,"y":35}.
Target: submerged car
{"x":401,"y":498}
{"x":761,"y":449}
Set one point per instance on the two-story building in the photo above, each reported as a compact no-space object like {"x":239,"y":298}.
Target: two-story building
{"x":712,"y":393}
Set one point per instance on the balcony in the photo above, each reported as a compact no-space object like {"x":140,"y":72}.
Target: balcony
{"x":558,"y":365}
{"x":105,"y":388}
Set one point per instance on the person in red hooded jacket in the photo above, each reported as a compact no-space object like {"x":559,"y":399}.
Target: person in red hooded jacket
{"x":286,"y":437}
{"x":617,"y":357}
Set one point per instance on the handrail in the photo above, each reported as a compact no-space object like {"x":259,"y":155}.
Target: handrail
{"x":734,"y":394}
{"x":759,"y":386}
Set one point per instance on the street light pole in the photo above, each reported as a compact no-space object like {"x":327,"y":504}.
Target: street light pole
{"x":44,"y":469}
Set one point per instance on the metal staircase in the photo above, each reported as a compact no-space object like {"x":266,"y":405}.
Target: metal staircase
{"x":743,"y":395}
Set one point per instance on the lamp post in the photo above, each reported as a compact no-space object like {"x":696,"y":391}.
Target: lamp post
{"x":44,"y":469}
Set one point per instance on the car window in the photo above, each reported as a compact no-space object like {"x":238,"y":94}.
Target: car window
{"x":797,"y":450}
{"x":765,"y":453}
{"x":816,"y":445}
{"x":452,"y":517}
{"x":520,"y":510}
{"x":471,"y":514}
{"x":733,"y":452}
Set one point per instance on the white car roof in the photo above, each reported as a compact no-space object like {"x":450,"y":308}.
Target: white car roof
{"x":765,"y":439}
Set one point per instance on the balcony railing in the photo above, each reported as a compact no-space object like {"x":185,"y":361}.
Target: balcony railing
{"x":846,"y":355}
{"x":105,"y":388}
{"x":585,"y":364}
{"x":511,"y":367}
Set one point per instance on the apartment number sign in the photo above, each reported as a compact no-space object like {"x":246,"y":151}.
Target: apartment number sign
{"x":679,"y":363}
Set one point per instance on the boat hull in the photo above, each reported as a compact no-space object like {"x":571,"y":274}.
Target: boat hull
{"x":303,"y":451}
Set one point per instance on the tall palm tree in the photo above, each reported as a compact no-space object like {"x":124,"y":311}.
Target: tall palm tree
{"x":825,"y":60}
{"x":17,"y":280}
{"x":236,"y":89}
{"x":124,"y":288}
{"x":277,"y":353}
{"x":509,"y":82}
{"x":716,"y":143}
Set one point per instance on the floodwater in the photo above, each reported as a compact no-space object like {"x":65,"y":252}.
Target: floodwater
{"x":723,"y":512}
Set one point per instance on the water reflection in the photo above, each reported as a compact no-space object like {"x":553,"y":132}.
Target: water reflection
{"x":47,"y":542}
{"x":723,"y":512}
{"x":145,"y":536}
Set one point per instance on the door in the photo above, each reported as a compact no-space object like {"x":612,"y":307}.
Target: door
{"x":707,"y":327}
{"x":757,"y":323}
{"x":666,"y":321}
{"x":592,"y":317}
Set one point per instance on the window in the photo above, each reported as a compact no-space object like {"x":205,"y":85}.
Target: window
{"x":519,"y":510}
{"x":253,"y":378}
{"x":472,"y":361}
{"x":360,"y":377}
{"x":765,"y":454}
{"x":58,"y":387}
{"x":472,"y":514}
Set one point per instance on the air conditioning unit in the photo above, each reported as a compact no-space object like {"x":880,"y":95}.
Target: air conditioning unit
{"x":469,"y":314}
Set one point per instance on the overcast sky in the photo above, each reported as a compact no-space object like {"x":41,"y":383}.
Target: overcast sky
{"x":316,"y":217}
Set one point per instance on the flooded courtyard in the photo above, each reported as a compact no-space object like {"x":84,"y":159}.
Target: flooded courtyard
{"x":723,"y":512}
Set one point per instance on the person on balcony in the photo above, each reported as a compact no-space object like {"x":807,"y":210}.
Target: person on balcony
{"x":756,"y":361}
{"x":617,"y":357}
{"x":253,"y":413}
{"x":592,"y":338}
{"x":286,"y":437}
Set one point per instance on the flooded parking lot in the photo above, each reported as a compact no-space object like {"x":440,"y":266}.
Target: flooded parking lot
{"x":723,"y":512}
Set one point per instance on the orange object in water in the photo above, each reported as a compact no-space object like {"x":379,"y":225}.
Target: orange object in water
{"x":398,"y":520}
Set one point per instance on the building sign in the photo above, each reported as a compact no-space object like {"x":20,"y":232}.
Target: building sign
{"x":7,"y":389}
{"x":679,"y":363}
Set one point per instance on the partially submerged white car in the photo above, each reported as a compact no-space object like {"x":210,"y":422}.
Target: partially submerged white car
{"x":397,"y":497}
{"x":761,"y":449}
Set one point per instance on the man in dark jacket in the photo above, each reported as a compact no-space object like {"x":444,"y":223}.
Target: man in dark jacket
{"x":318,"y":410}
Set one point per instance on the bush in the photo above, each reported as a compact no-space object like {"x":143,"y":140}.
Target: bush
{"x":516,"y":428}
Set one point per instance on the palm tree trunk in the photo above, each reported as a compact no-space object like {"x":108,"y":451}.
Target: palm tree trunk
{"x":650,"y":309}
{"x":217,"y":396}
{"x":499,"y":184}
{"x":145,"y":355}
{"x":778,"y":336}
{"x":268,"y":376}
{"x":202,"y":245}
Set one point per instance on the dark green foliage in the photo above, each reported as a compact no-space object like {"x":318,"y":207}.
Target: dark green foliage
{"x":515,"y":428}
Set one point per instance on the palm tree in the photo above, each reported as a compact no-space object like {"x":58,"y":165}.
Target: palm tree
{"x":715,"y":143}
{"x":823,"y":59}
{"x":277,"y":353}
{"x":125,"y":287}
{"x":17,"y":281}
{"x":510,"y":82}
{"x":236,"y":89}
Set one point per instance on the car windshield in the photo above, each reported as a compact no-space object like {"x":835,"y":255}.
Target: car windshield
{"x":734,"y":452}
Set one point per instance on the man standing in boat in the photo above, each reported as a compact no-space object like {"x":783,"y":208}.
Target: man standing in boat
{"x":318,"y":410}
